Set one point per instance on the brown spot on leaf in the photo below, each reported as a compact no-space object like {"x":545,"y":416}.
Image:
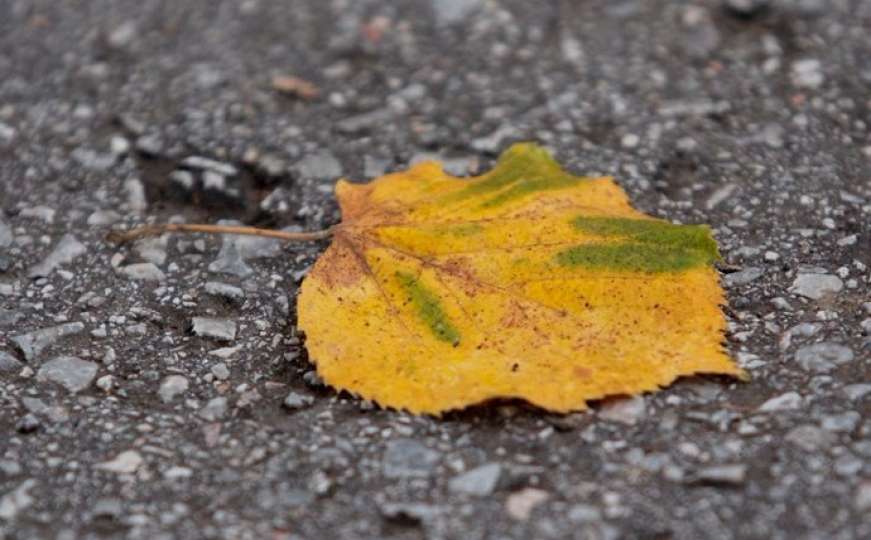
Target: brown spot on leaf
{"x":582,"y":372}
{"x":339,"y":266}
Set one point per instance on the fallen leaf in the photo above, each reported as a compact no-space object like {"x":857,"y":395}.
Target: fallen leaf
{"x":526,"y":282}
{"x":301,"y":88}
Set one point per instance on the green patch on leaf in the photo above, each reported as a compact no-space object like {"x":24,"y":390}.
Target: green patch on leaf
{"x":632,"y":257}
{"x":523,"y":169}
{"x":649,"y":231}
{"x":429,"y":308}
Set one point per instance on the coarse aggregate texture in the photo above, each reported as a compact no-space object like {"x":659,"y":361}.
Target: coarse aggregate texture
{"x":752,"y":117}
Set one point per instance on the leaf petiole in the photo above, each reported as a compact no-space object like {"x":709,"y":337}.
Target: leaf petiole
{"x":120,"y":237}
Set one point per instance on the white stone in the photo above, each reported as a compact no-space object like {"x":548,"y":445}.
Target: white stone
{"x":16,"y":500}
{"x":624,"y":410}
{"x":72,"y":373}
{"x":816,"y":286}
{"x":222,"y":329}
{"x":143,"y":271}
{"x":520,"y":504}
{"x":67,"y":250}
{"x":479,"y":482}
{"x":127,"y":462}
{"x":783,"y":402}
{"x":172,"y":386}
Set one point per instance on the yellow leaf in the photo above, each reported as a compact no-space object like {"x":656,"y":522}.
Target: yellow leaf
{"x":526,"y":282}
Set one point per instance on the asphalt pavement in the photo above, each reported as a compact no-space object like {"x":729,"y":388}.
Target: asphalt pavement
{"x":160,"y":390}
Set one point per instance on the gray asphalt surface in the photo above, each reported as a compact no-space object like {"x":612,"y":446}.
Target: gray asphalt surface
{"x":160,"y":390}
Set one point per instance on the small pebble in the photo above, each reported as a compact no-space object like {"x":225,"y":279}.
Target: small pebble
{"x":135,"y":195}
{"x":823,"y":357}
{"x":172,"y":386}
{"x":406,"y":458}
{"x":743,"y":277}
{"x":319,"y":166}
{"x":845,"y":422}
{"x":127,"y":462}
{"x":449,"y":12}
{"x":816,"y":286}
{"x":479,"y":482}
{"x":214,"y":410}
{"x":9,"y":364}
{"x":810,"y":438}
{"x":862,"y":500}
{"x":295,"y":401}
{"x":142,"y":272}
{"x":783,"y":402}
{"x":33,"y":343}
{"x":105,"y":383}
{"x":72,"y":373}
{"x":66,"y":251}
{"x":520,"y":504}
{"x":220,"y":371}
{"x":224,"y":290}
{"x":733,"y":474}
{"x":206,"y":164}
{"x":623,"y":410}
{"x":28,"y":423}
{"x":222,"y":329}
{"x":807,"y":73}
{"x":101,"y":218}
{"x":6,"y":235}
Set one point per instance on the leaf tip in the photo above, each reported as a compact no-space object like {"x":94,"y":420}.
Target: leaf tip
{"x":527,"y":151}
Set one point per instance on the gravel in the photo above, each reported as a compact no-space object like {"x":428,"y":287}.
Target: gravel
{"x":17,"y":500}
{"x":625,"y":411}
{"x":72,"y":373}
{"x":224,"y":290}
{"x":220,"y":329}
{"x":8,"y":363}
{"x":127,"y":462}
{"x":807,"y":73}
{"x":6,"y":235}
{"x":843,"y":422}
{"x":147,"y":271}
{"x":745,"y":276}
{"x":856,"y":392}
{"x":33,"y":343}
{"x":862,"y":501}
{"x":733,"y":474}
{"x":206,"y":164}
{"x":816,"y":286}
{"x":66,"y":251}
{"x":136,"y":200}
{"x":28,"y":423}
{"x":748,"y":116}
{"x":783,"y":402}
{"x":810,"y":438}
{"x":479,"y":482}
{"x":449,"y":12}
{"x":823,"y":357}
{"x":294,"y":401}
{"x":405,"y":458}
{"x":521,"y":504}
{"x":172,"y":387}
{"x":230,"y":261}
{"x":319,"y":166}
{"x":102,"y":218}
{"x":215,"y":409}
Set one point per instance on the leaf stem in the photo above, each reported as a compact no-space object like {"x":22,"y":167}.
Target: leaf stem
{"x":121,"y":237}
